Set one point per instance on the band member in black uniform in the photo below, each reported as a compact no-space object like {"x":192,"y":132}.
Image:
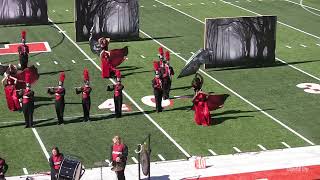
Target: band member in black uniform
{"x":117,"y":96}
{"x":59,"y":93}
{"x":85,"y":91}
{"x":23,"y":52}
{"x":158,"y":91}
{"x":166,"y":75}
{"x":27,"y":102}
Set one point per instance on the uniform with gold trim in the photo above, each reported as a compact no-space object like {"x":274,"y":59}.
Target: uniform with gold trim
{"x":85,"y":92}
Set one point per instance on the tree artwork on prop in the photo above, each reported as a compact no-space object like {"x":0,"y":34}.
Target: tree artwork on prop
{"x":234,"y":40}
{"x":23,"y":11}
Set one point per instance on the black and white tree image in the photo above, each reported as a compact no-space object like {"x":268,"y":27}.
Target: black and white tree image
{"x":234,"y":41}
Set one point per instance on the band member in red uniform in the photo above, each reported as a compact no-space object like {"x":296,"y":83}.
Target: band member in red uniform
{"x":158,"y":91}
{"x":23,"y":52}
{"x":117,"y":96}
{"x":59,"y":93}
{"x":200,"y":106}
{"x":55,"y":162}
{"x":85,"y":91}
{"x":27,"y":102}
{"x":3,"y":169}
{"x":167,"y":73}
{"x":118,"y":155}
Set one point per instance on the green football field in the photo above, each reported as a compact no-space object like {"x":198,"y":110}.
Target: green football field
{"x":265,"y":107}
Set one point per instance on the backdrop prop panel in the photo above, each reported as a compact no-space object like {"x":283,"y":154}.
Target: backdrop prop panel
{"x":240,"y":40}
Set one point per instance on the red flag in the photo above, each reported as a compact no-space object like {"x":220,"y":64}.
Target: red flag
{"x":21,"y":76}
{"x":216,"y":101}
{"x":117,"y":56}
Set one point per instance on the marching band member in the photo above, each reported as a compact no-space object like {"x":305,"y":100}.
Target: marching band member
{"x":167,"y":73}
{"x":27,"y":101}
{"x":59,"y":93}
{"x":118,"y":155}
{"x":85,"y":91}
{"x":104,"y":43}
{"x":55,"y":162}
{"x":23,"y":50}
{"x":158,"y":91}
{"x":117,"y":96}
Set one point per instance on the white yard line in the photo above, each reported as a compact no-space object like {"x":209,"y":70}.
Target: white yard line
{"x":212,"y":152}
{"x":161,"y":157}
{"x":25,"y":171}
{"x":303,"y":5}
{"x":318,"y":44}
{"x":251,"y":12}
{"x":261,"y":147}
{"x":134,"y":160}
{"x":285,"y":144}
{"x":302,"y":45}
{"x":288,"y":46}
{"x":41,"y":143}
{"x":129,"y":97}
{"x":237,"y":149}
{"x":302,"y":71}
{"x":235,"y":93}
{"x":142,"y":56}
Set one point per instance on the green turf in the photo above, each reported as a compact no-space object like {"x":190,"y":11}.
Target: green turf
{"x":239,"y":124}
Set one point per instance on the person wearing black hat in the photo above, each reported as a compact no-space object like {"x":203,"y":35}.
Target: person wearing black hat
{"x":117,"y":96}
{"x":59,"y":93}
{"x":27,"y":101}
{"x":158,"y":91}
{"x":3,"y":169}
{"x":23,"y":50}
{"x":85,"y":91}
